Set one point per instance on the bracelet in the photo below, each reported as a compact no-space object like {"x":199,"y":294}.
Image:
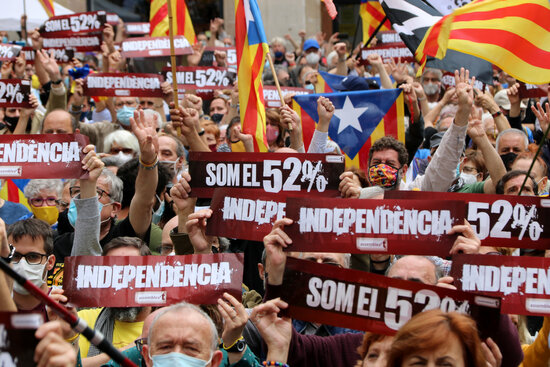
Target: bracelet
{"x":496,"y":114}
{"x":59,"y":81}
{"x":149,"y":166}
{"x":202,"y":132}
{"x":274,"y":363}
{"x":72,"y":339}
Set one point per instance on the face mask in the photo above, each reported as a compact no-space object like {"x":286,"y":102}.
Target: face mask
{"x":430,"y":89}
{"x":123,"y":115}
{"x":508,"y":159}
{"x":173,"y":253}
{"x":67,"y":82}
{"x":217,"y":117}
{"x":310,"y":87}
{"x":11,"y":122}
{"x":72,"y":213}
{"x":124,"y":157}
{"x":158,"y":213}
{"x":279,"y":55}
{"x":272,"y":133}
{"x":4,"y":39}
{"x":177,"y":360}
{"x":33,"y":273}
{"x":48,"y":214}
{"x":313,"y":58}
{"x":468,"y":178}
{"x":383,"y":175}
{"x":170,"y":166}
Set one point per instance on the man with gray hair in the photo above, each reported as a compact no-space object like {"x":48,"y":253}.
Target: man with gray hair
{"x":431,"y":82}
{"x":182,"y":334}
{"x":509,"y":144}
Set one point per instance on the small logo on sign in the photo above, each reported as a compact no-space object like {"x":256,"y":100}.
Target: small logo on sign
{"x":10,"y":171}
{"x":537,"y":305}
{"x":545,"y":203}
{"x":30,"y":321}
{"x":372,"y":244}
{"x":148,"y":298}
{"x":332,"y":158}
{"x":486,"y":301}
{"x":122,"y":92}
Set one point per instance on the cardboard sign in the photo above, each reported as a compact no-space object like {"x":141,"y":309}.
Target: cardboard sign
{"x":113,"y":19}
{"x":9,"y":52}
{"x":365,"y":301}
{"x":389,"y":46}
{"x":271,"y":96}
{"x":203,"y":80}
{"x":138,"y":28}
{"x":154,"y":46}
{"x":123,"y":85}
{"x":523,"y":282}
{"x":532,"y":90}
{"x":230,"y":51}
{"x":128,"y":281}
{"x":74,"y":24}
{"x":15,"y":93}
{"x":244,"y":214}
{"x":498,"y":220}
{"x":274,"y":173}
{"x":405,"y":227}
{"x":42,"y":156}
{"x":61,"y":55}
{"x":17,"y":340}
{"x":79,"y":43}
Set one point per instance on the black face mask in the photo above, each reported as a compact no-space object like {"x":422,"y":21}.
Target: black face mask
{"x":217,"y":117}
{"x":508,"y":159}
{"x":11,"y":122}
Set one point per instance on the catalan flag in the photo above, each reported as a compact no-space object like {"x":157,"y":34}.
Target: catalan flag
{"x":331,"y":82}
{"x":181,"y":20}
{"x":322,"y":86}
{"x":512,"y":34}
{"x":48,"y":7}
{"x":360,"y":118}
{"x":11,"y":192}
{"x":252,"y":48}
{"x":372,"y":14}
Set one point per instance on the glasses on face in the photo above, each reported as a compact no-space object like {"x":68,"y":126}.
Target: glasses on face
{"x":470,"y":170}
{"x":139,"y":343}
{"x":123,"y":150}
{"x":62,"y":204}
{"x":147,"y":103}
{"x":75,"y":190}
{"x":32,"y":258}
{"x":120,"y":104}
{"x":49,"y":201}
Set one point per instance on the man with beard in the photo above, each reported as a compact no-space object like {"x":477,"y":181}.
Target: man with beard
{"x":120,"y":325}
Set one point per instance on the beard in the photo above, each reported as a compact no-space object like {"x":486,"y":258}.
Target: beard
{"x":126,"y":314}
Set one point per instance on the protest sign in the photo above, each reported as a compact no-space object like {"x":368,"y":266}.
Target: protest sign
{"x":15,"y":93}
{"x":271,"y":95}
{"x":365,"y":301}
{"x":123,"y":85}
{"x":416,"y":227}
{"x":113,"y":19}
{"x":532,"y":90}
{"x":208,"y":58}
{"x":42,"y":156}
{"x":74,"y":24}
{"x":61,"y":55}
{"x":275,"y":173}
{"x":17,"y":340}
{"x":154,"y":46}
{"x":523,"y":282}
{"x":244,"y":214}
{"x":138,"y":28}
{"x":79,"y":43}
{"x":498,"y":220}
{"x":389,"y":46}
{"x":128,"y":281}
{"x":9,"y":52}
{"x":203,"y":80}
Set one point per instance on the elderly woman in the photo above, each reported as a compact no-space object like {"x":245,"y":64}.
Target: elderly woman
{"x":43,"y":197}
{"x":121,"y":142}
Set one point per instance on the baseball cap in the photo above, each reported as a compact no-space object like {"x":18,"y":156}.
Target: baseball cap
{"x":311,"y":43}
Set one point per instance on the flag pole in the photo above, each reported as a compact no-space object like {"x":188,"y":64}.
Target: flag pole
{"x":376,"y":31}
{"x":277,"y":84}
{"x":534,"y":159}
{"x":173,"y":59}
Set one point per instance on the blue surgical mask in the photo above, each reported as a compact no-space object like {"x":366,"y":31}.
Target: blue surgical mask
{"x":71,"y":214}
{"x":123,"y":115}
{"x":4,"y":39}
{"x":175,"y":359}
{"x":310,"y":87}
{"x":158,"y":213}
{"x":67,"y":82}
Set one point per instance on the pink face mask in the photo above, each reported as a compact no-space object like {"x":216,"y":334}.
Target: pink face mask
{"x":383,"y":175}
{"x":272,"y":133}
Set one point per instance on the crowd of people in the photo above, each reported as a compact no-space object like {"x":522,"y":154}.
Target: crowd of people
{"x":135,"y":201}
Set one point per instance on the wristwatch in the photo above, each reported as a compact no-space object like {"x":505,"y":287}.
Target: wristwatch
{"x":237,"y":347}
{"x":10,"y":255}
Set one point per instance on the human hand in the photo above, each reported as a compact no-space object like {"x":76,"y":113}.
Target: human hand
{"x":53,"y":350}
{"x":193,"y":101}
{"x":6,"y":69}
{"x":290,"y":58}
{"x":194,"y":58}
{"x":476,"y":130}
{"x":449,"y":95}
{"x":513,"y":94}
{"x":290,"y":118}
{"x":375,"y":60}
{"x":180,"y":193}
{"x":348,"y":187}
{"x":235,"y":317}
{"x":115,"y":60}
{"x":419,"y":91}
{"x":486,"y":101}
{"x":25,"y":113}
{"x":49,"y":63}
{"x":92,"y":163}
{"x":167,"y":92}
{"x":464,"y":88}
{"x":399,"y":71}
{"x":341,"y":50}
{"x":325,"y":109}
{"x":36,"y":40}
{"x":108,"y":34}
{"x":196,"y":230}
{"x":275,"y":331}
{"x":542,"y":115}
{"x":19,"y":66}
{"x":221,"y":58}
{"x":446,"y":282}
{"x":78,"y":94}
{"x":333,"y":38}
{"x":146,"y":136}
{"x":274,"y":244}
{"x":58,"y":295}
{"x":468,"y":242}
{"x":302,"y":34}
{"x":492,"y":353}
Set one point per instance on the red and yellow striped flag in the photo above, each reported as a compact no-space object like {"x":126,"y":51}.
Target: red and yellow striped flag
{"x":372,"y":14}
{"x":48,"y":7}
{"x":512,"y":34}
{"x":10,"y":192}
{"x":181,"y":19}
{"x":252,"y":49}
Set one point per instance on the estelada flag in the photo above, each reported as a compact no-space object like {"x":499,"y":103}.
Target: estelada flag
{"x":512,"y":34}
{"x":181,"y":20}
{"x":332,"y":82}
{"x":48,"y":7}
{"x":252,"y":48}
{"x":372,"y":14}
{"x":360,"y":118}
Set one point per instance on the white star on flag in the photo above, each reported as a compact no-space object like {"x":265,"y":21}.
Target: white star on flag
{"x":247,"y":13}
{"x":349,"y":116}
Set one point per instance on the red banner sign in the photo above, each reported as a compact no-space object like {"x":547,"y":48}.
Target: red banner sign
{"x":113,"y":19}
{"x":271,"y":95}
{"x":74,"y":24}
{"x":17,"y":340}
{"x":366,"y":301}
{"x":274,"y":173}
{"x":244,"y":214}
{"x":9,"y":52}
{"x":389,"y":46}
{"x":130,"y":281}
{"x":15,"y":93}
{"x":406,"y":227}
{"x":79,"y":43}
{"x":230,"y":51}
{"x":523,"y":282}
{"x":532,"y":90}
{"x":42,"y":156}
{"x":142,"y":28}
{"x":154,"y":46}
{"x":61,"y":55}
{"x":123,"y":85}
{"x":498,"y":220}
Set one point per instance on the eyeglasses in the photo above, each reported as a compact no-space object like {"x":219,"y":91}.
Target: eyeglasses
{"x":140,"y":343}
{"x":131,"y":103}
{"x":32,"y":258}
{"x":75,"y":190}
{"x":470,"y":170}
{"x":49,"y":201}
{"x":123,"y":150}
{"x":147,"y":103}
{"x":62,"y":204}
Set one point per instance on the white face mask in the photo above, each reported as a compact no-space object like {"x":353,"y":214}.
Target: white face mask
{"x":430,"y":89}
{"x":313,"y":58}
{"x":468,"y":178}
{"x":178,"y":360}
{"x":33,"y":273}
